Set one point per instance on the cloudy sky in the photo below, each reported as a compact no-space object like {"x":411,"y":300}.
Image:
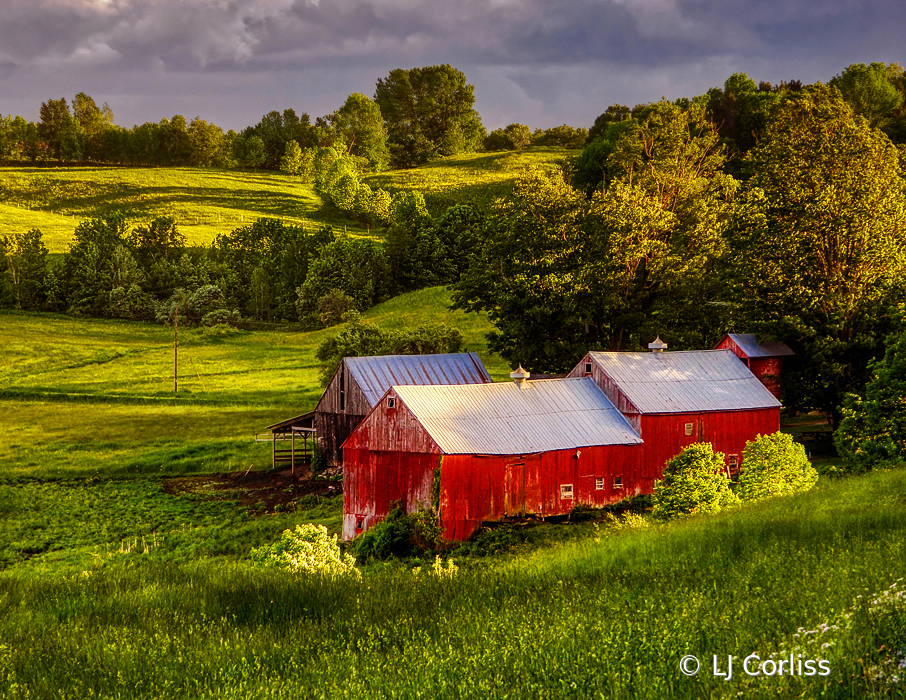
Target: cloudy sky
{"x":538,"y":62}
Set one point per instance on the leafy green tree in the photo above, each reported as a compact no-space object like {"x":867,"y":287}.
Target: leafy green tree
{"x":281,"y":254}
{"x":872,"y":431}
{"x":416,"y":254}
{"x":206,"y":143}
{"x":512,"y":138}
{"x":819,"y":251}
{"x":694,"y":482}
{"x":24,"y":259}
{"x":274,"y":131}
{"x":560,"y":274}
{"x":85,"y":276}
{"x":292,"y":161}
{"x":356,"y":268}
{"x":358,"y":338}
{"x":614,"y":114}
{"x":428,"y":112}
{"x":253,"y":153}
{"x":869,"y":90}
{"x":95,"y":122}
{"x":359,"y":124}
{"x":774,"y":465}
{"x":55,"y":117}
{"x":564,"y":136}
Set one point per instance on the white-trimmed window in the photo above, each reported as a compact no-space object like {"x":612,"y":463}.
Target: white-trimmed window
{"x":688,"y":428}
{"x":588,"y":368}
{"x":733,"y":463}
{"x":618,"y":482}
{"x":599,"y":483}
{"x":360,"y":522}
{"x":391,"y":402}
{"x":566,"y":491}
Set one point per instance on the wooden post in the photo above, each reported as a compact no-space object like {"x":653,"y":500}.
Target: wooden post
{"x":292,"y":451}
{"x":176,"y":351}
{"x":273,"y":449}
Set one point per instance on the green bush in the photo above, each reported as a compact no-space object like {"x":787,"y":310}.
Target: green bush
{"x":401,"y":535}
{"x":872,"y":431}
{"x":307,"y":550}
{"x":774,"y":465}
{"x":694,"y":482}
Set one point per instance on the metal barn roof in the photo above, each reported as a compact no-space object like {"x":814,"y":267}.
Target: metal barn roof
{"x":749,"y":344}
{"x":377,"y":374}
{"x":685,"y":382}
{"x":504,"y":419}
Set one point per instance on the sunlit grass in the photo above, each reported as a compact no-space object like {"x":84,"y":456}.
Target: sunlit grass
{"x":204,"y":202}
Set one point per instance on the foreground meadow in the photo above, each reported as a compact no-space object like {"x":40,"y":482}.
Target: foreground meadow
{"x":125,"y":569}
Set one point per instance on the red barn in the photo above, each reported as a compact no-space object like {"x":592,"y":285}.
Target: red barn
{"x":673,"y":399}
{"x":359,"y":383}
{"x":486,"y":451}
{"x":763,"y":358}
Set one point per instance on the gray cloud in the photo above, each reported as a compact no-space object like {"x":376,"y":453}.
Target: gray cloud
{"x":542,"y":62}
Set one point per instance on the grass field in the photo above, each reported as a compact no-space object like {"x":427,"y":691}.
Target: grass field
{"x":207,"y":202}
{"x":116,"y":583}
{"x":204,"y":202}
{"x":471,"y":177}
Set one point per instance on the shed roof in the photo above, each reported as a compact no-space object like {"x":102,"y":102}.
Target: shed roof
{"x":504,"y":419}
{"x":748,"y":343}
{"x":685,"y":382}
{"x":375,"y":375}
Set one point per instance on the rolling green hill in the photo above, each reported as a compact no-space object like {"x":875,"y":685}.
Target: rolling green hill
{"x":206,"y":202}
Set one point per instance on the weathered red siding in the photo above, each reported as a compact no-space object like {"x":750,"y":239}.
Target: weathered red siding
{"x":767,"y":369}
{"x":334,"y":424}
{"x":665,"y":436}
{"x":476,"y":489}
{"x":390,"y":457}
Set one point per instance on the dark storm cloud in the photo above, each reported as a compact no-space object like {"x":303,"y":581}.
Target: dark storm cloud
{"x":552,"y":61}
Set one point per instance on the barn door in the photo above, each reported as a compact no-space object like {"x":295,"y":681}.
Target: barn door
{"x":521,"y":485}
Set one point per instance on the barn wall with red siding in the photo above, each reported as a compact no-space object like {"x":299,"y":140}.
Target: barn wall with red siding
{"x":389,"y":457}
{"x":665,"y":436}
{"x":767,"y":369}
{"x":476,"y":489}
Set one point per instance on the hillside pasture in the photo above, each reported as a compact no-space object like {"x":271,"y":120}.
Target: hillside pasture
{"x":204,"y":202}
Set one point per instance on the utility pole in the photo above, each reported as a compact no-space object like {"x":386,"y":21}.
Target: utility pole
{"x":175,"y":351}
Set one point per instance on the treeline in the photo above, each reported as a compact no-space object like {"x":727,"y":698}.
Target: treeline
{"x":416,"y":115}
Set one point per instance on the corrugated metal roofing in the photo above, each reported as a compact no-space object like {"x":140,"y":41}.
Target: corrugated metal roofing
{"x":749,"y":344}
{"x":502,"y":419}
{"x":685,"y":382}
{"x":377,"y":374}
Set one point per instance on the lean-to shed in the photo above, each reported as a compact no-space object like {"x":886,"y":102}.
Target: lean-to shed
{"x":764,"y":358}
{"x":483,"y":452}
{"x":359,"y":382}
{"x":674,"y":399}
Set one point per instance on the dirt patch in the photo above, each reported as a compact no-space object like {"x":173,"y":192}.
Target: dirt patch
{"x":268,"y":491}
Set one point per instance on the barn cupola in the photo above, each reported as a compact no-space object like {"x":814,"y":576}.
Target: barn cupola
{"x":658,"y":345}
{"x":519,"y":376}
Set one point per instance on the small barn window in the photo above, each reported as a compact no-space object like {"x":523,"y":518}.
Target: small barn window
{"x":618,"y":482}
{"x":566,"y":491}
{"x":588,"y":368}
{"x":599,"y":484}
{"x":688,"y":427}
{"x":360,"y":522}
{"x":391,"y":402}
{"x":733,"y":463}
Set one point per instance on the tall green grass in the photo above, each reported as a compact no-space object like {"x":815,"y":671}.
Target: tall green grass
{"x":607,"y":616}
